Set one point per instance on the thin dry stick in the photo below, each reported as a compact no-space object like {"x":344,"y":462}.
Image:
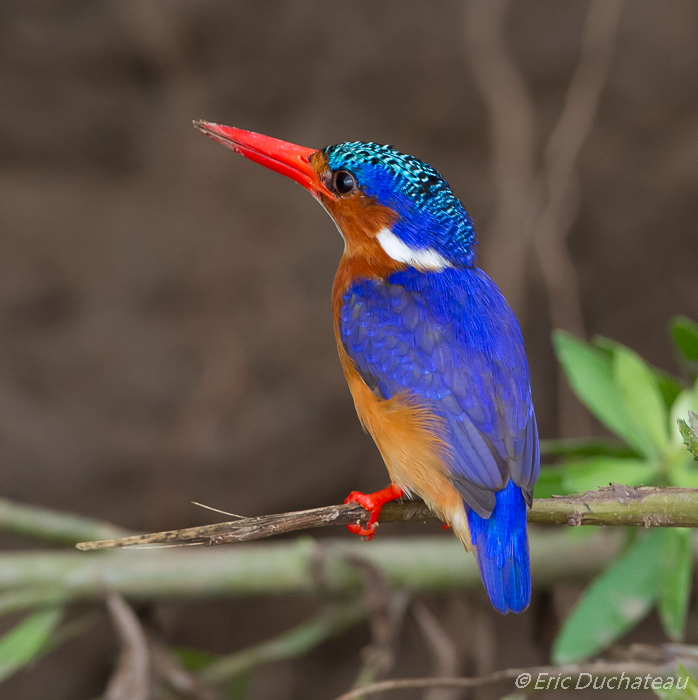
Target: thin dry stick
{"x":615,"y":505}
{"x":132,"y":678}
{"x":513,"y":139}
{"x":387,"y":609}
{"x":269,"y":525}
{"x":172,"y":674}
{"x":331,"y":622}
{"x":561,"y":156}
{"x":598,"y":669}
{"x":442,"y":651}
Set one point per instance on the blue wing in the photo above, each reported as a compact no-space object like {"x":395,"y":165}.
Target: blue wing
{"x":450,"y":338}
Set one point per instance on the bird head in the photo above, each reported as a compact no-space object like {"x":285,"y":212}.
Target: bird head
{"x":386,"y":205}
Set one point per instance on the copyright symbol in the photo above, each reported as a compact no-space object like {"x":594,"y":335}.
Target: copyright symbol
{"x":522,"y":680}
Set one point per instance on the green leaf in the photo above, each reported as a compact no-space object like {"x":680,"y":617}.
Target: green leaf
{"x":677,"y":566}
{"x":193,"y":659}
{"x":549,"y":483}
{"x":684,"y":333}
{"x":686,"y":401}
{"x":641,"y":394}
{"x":683,"y":678}
{"x":586,"y":447}
{"x":26,"y":640}
{"x":684,"y":473}
{"x":606,"y":345}
{"x":590,"y":374}
{"x":614,"y":602}
{"x":668,"y":385}
{"x":238,"y":687}
{"x":689,"y":433}
{"x":681,"y":467}
{"x":601,"y":471}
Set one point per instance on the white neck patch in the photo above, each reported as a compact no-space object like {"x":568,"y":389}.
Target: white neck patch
{"x":421,"y":258}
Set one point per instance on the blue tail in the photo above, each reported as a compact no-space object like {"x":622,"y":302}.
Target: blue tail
{"x":501,"y":547}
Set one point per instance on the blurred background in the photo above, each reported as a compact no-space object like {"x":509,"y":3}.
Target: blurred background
{"x":164,"y":304}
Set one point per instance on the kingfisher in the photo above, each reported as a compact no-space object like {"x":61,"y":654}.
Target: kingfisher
{"x":430,"y":349}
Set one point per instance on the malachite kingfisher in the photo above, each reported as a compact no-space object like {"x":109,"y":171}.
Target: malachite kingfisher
{"x":431,"y":350}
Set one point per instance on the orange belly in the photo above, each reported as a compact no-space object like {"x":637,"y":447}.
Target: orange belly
{"x":406,"y":434}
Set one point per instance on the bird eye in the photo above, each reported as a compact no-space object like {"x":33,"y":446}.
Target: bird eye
{"x":344,"y":182}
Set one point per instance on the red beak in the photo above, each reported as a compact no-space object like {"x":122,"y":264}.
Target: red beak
{"x":281,"y":156}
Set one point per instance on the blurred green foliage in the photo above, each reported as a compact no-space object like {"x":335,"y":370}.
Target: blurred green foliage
{"x":684,"y":678}
{"x":653,"y":416}
{"x":27,"y":640}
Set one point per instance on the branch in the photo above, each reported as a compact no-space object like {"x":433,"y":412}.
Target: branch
{"x":305,"y":566}
{"x":387,"y":608}
{"x":268,"y":525}
{"x":443,"y":652}
{"x":132,"y":677}
{"x":614,"y":505}
{"x":63,"y":528}
{"x":599,"y":669}
{"x":644,"y":506}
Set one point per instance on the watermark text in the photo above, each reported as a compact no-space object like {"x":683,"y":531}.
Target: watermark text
{"x":588,"y":681}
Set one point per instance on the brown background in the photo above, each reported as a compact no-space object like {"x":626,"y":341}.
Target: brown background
{"x":164,"y":305}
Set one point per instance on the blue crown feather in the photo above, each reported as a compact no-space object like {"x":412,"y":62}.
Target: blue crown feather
{"x":429,"y":214}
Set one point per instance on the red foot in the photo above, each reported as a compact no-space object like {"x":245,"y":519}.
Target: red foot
{"x":445,"y":527}
{"x":373,"y":503}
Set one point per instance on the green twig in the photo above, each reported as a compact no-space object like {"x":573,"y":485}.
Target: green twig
{"x":52,"y":526}
{"x":32,"y":597}
{"x":293,"y":643}
{"x":436,"y":563}
{"x":642,"y":506}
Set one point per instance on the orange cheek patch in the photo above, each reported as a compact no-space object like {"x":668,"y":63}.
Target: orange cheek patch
{"x":360,"y":218}
{"x":357,"y":216}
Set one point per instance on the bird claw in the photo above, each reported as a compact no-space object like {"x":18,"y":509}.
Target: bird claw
{"x":373,"y":503}
{"x":366,"y":532}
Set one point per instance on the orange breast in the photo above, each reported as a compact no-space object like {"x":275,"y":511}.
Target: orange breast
{"x":405,"y":431}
